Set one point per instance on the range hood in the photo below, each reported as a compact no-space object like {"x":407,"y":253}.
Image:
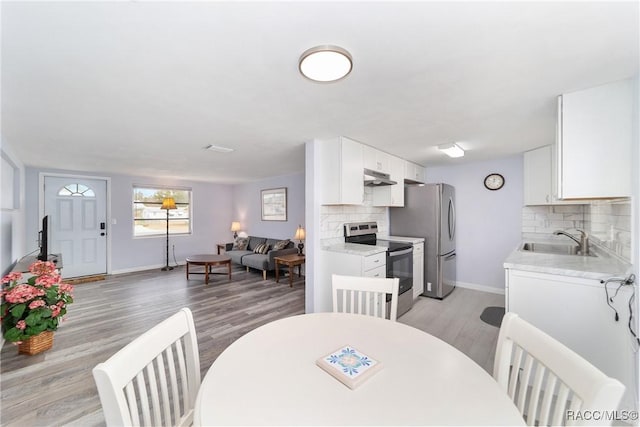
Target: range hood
{"x":377,"y":179}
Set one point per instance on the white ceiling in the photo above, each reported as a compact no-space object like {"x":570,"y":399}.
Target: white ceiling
{"x":141,"y":87}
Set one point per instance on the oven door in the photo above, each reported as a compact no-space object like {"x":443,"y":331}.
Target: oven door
{"x":400,"y":265}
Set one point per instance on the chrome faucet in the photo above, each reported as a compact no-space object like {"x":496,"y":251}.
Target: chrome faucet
{"x":583,"y":243}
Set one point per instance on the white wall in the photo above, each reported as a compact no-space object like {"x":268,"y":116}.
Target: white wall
{"x":211,"y":220}
{"x":488,"y":222}
{"x":12,"y":213}
{"x":246,"y":207}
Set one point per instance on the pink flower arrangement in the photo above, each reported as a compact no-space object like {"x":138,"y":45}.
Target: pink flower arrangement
{"x":36,"y":305}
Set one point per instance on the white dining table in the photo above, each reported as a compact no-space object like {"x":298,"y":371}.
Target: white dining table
{"x":270,"y":377}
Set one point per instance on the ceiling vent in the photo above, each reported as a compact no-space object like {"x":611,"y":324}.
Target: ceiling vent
{"x":218,"y":149}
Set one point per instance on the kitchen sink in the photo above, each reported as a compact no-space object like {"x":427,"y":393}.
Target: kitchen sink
{"x":553,"y":248}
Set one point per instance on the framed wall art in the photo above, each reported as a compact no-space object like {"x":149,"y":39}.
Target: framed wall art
{"x":274,"y":204}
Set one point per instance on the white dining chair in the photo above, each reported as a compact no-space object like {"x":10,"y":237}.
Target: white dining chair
{"x":365,"y":295}
{"x":548,"y":382}
{"x":154,"y":380}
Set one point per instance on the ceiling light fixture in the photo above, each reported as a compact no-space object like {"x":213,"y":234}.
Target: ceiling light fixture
{"x":219,"y":149}
{"x":325,"y":64}
{"x":451,"y":150}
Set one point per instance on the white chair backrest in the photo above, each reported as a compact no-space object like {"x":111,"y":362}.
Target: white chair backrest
{"x":548,"y":382}
{"x":365,"y":295}
{"x":154,"y":380}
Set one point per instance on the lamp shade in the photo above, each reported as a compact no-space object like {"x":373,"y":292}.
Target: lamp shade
{"x":300,"y":234}
{"x":168,"y":203}
{"x":235,"y":226}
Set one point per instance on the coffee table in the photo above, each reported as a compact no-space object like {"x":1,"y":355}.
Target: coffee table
{"x":208,"y":261}
{"x":291,"y":261}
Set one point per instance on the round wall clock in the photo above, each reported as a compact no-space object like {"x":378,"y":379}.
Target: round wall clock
{"x":494,"y":181}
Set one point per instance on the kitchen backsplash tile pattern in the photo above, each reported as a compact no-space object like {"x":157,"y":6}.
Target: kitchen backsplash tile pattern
{"x":547,"y":219}
{"x":333,"y":217}
{"x":607,"y":222}
{"x":609,"y":225}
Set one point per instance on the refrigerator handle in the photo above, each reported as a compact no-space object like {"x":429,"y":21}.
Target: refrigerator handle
{"x":451,"y":220}
{"x":450,"y":257}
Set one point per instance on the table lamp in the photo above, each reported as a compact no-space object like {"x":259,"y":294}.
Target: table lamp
{"x":235,"y":227}
{"x":167,"y":204}
{"x":300,"y":236}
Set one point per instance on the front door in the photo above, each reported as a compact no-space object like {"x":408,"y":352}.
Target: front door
{"x":77,"y":209}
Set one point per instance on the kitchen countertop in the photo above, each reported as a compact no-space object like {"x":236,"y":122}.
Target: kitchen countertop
{"x":338,"y":245}
{"x":354,"y":248}
{"x":413,"y":240}
{"x":588,"y":267}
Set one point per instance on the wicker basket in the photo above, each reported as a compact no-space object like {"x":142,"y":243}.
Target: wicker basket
{"x":36,"y":344}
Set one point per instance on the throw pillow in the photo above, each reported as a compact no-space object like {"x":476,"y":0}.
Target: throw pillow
{"x":240,"y":244}
{"x":281,"y":245}
{"x":262,"y":248}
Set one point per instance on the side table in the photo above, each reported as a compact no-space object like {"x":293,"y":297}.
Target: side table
{"x":290,"y":261}
{"x":221,"y":247}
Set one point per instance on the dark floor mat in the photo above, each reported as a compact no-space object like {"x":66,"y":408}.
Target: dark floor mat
{"x":492,"y":316}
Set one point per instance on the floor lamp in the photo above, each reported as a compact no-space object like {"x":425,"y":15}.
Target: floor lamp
{"x":168,"y":203}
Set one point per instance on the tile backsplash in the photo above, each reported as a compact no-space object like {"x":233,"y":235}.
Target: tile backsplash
{"x":547,"y":219}
{"x":608,"y":223}
{"x":333,"y":217}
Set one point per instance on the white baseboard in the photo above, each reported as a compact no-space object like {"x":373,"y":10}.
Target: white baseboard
{"x":141,"y":268}
{"x":482,"y":288}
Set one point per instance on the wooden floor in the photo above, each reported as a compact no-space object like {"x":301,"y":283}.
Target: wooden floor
{"x":456,"y":320}
{"x":56,"y":387}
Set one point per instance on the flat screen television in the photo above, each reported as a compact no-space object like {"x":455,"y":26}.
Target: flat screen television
{"x":43,"y":239}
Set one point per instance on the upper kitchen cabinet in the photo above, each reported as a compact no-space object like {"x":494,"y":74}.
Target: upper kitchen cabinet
{"x":392,"y":195}
{"x":540,"y":177}
{"x":413,"y":173}
{"x":341,"y":172}
{"x":595,"y":128}
{"x":537,"y":176}
{"x":376,"y":160}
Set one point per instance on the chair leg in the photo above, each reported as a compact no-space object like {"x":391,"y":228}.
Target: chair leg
{"x":264,"y":274}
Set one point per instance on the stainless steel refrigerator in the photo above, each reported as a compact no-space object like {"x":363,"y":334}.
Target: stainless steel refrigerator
{"x":429,"y":211}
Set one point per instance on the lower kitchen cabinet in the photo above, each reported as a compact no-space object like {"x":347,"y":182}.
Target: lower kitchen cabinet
{"x":348,"y":264}
{"x":418,"y":269}
{"x":574,"y":311}
{"x":357,"y":265}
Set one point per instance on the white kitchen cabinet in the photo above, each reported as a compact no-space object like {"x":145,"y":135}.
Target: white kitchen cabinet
{"x":418,"y":269}
{"x":413,"y":173}
{"x":594,"y":142}
{"x":341,"y":172}
{"x":392,"y":195}
{"x":574,"y":311}
{"x":537,"y":176}
{"x":349,"y":264}
{"x":376,"y":160}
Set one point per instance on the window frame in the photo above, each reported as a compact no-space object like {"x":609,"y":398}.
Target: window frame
{"x":163,"y":219}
